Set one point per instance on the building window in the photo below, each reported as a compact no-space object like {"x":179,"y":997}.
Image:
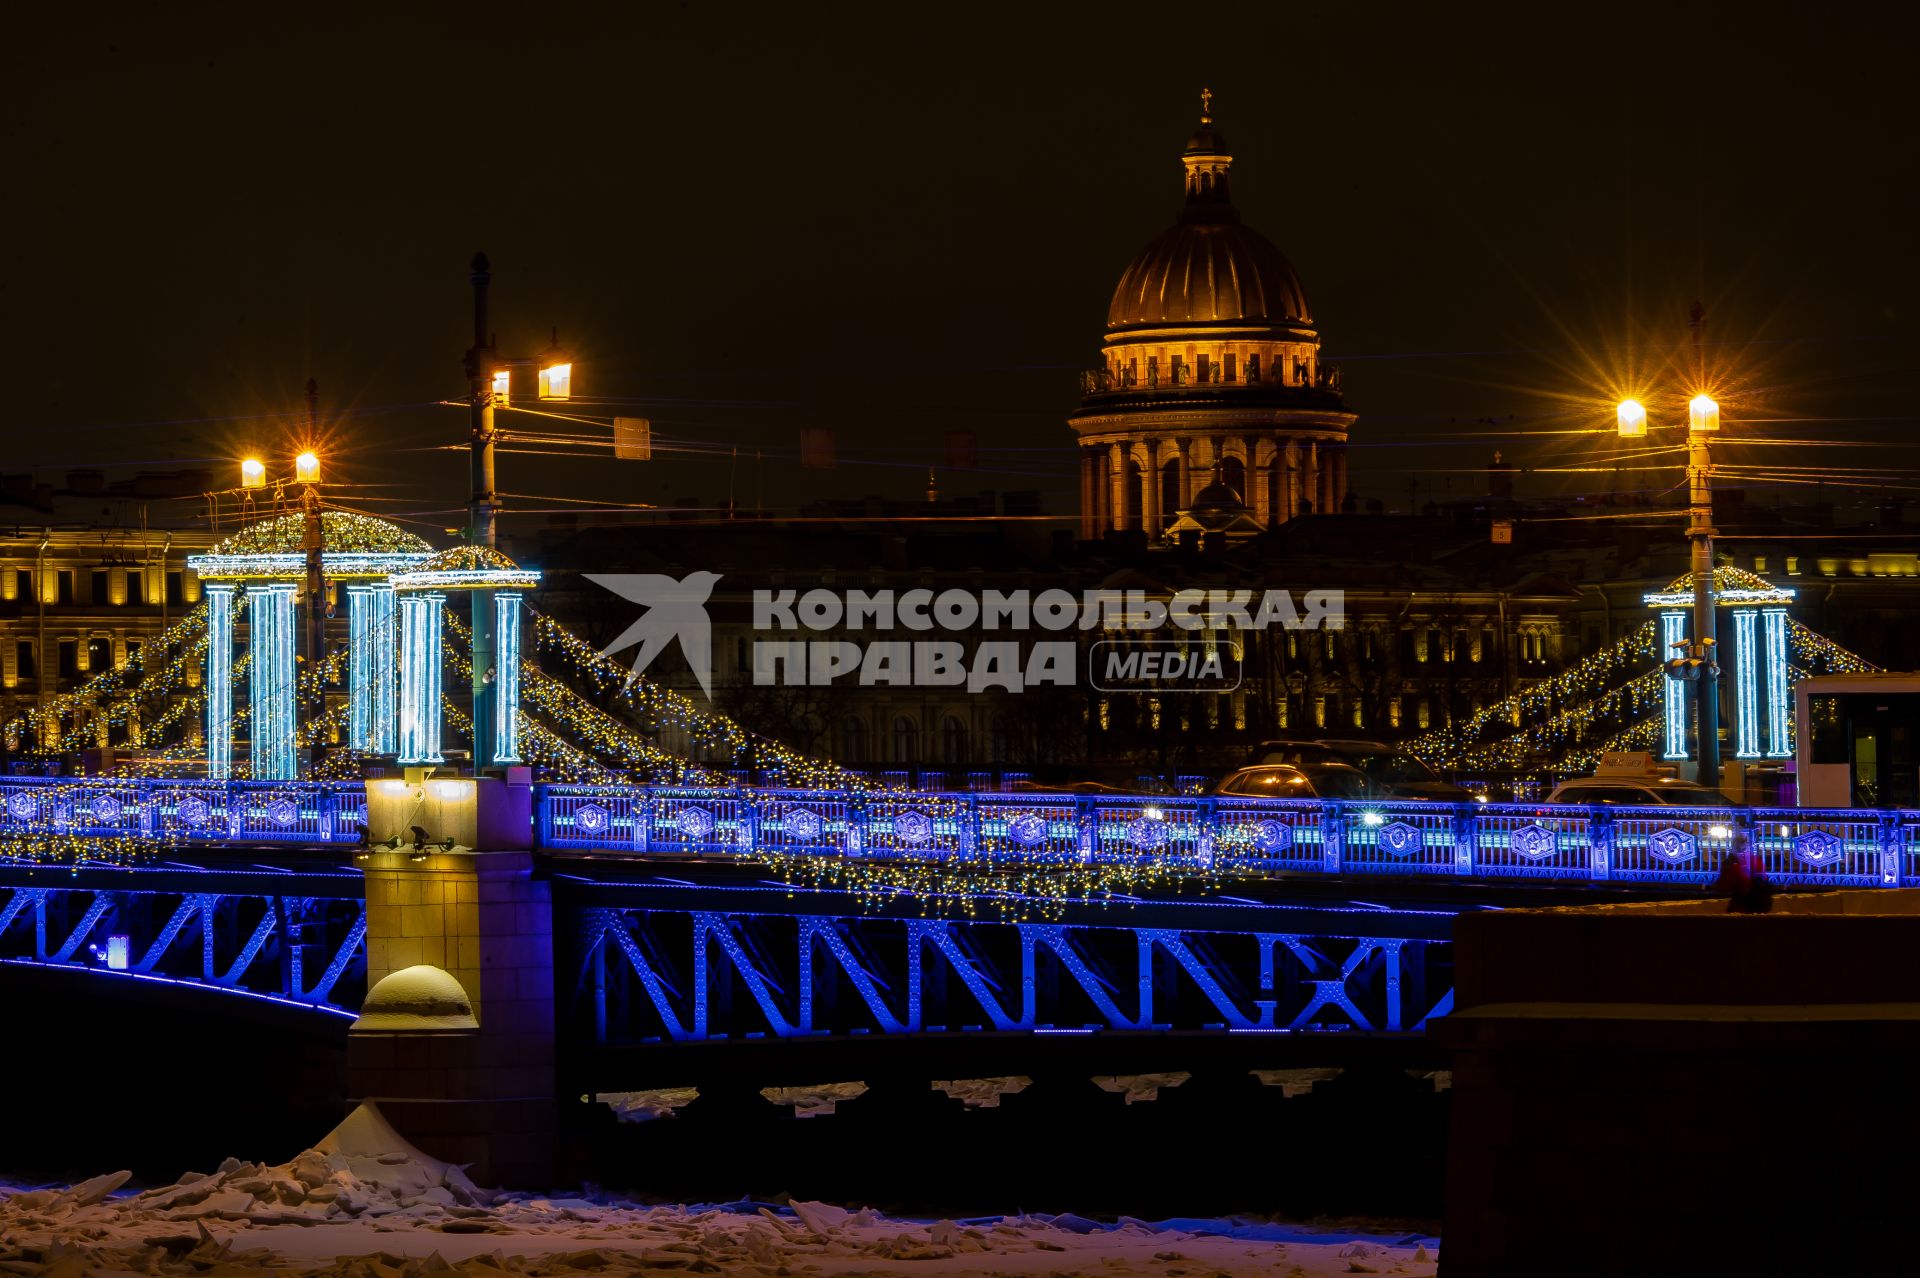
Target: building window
{"x":1319,"y":712}
{"x":853,"y":741}
{"x":23,"y":658}
{"x":1253,"y":368}
{"x":1202,"y":369}
{"x":23,"y":585}
{"x":1793,"y":565}
{"x":906,"y":740}
{"x":65,"y":592}
{"x":1393,"y":712}
{"x":99,"y":653}
{"x":133,"y":653}
{"x":953,"y":740}
{"x":1230,"y":369}
{"x":1424,"y":715}
{"x":69,"y":666}
{"x":97,"y":588}
{"x":136,"y":588}
{"x":1759,"y":563}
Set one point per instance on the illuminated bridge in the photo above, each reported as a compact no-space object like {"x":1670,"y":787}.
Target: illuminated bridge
{"x":693,"y":914}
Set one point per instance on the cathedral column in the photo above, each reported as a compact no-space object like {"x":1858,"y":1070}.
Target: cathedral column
{"x":1256,"y":494}
{"x":1310,"y":480}
{"x":1117,"y":486}
{"x":1088,"y":496}
{"x":1340,"y":478}
{"x":1186,"y":474}
{"x":1150,"y":492}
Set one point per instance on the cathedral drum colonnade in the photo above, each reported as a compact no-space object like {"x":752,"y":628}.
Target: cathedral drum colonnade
{"x":1211,"y":376}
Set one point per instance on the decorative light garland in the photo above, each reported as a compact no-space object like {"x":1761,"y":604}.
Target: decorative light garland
{"x":341,"y":532}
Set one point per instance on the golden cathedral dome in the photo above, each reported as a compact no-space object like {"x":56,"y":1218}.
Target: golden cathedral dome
{"x":1209,"y":268}
{"x":1207,"y":273}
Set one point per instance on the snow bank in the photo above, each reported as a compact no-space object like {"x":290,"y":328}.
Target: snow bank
{"x":363,"y":1203}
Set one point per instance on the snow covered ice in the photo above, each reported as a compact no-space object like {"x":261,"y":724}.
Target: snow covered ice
{"x":363,"y":1203}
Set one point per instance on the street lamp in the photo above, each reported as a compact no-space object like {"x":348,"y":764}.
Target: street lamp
{"x":1696,"y":661}
{"x":556,"y":371}
{"x":306,"y":473}
{"x":489,"y":382}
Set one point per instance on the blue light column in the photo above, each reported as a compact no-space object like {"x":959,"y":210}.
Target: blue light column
{"x":1779,"y":685}
{"x":420,"y":678}
{"x":1673,"y":629}
{"x":1746,"y":684}
{"x":371,"y":622}
{"x":506,"y":682}
{"x":219,"y":698}
{"x":270,"y":639}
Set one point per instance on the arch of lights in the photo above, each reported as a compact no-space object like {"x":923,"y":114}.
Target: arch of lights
{"x":394,"y":600}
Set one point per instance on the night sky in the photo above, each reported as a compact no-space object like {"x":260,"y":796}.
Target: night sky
{"x":902,"y":221}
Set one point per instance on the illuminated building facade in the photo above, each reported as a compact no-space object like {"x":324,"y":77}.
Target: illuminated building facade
{"x":1210,"y":375}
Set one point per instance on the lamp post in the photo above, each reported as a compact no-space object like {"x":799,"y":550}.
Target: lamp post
{"x":1698,"y":659}
{"x":306,"y":474}
{"x":490,"y":385}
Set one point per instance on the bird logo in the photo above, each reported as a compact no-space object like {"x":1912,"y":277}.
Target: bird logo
{"x":676,"y":609}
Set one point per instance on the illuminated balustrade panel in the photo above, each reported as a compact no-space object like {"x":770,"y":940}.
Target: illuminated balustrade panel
{"x":1399,"y":838}
{"x":1539,"y":843}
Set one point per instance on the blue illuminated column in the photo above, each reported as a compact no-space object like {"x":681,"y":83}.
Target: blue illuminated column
{"x":219,"y":700}
{"x":1778,"y":685}
{"x":1673,"y":629}
{"x":420,"y":677}
{"x":506,"y":683}
{"x":270,"y":638}
{"x":1746,"y":684}
{"x":371,"y":620}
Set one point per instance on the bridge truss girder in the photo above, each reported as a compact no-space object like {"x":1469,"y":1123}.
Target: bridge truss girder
{"x":301,"y":949}
{"x":683,"y":976}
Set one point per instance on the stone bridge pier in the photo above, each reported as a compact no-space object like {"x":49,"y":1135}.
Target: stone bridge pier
{"x":455,"y":1041}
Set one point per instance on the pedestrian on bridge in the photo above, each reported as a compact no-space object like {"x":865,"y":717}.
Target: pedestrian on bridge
{"x":1743,"y":879}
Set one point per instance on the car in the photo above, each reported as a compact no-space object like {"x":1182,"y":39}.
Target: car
{"x":1394,"y":773}
{"x":1297,"y":781}
{"x":1638,"y":792}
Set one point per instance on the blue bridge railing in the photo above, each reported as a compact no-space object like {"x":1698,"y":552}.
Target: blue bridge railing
{"x":1570,"y":843}
{"x":1573,"y":843}
{"x":184,"y":810}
